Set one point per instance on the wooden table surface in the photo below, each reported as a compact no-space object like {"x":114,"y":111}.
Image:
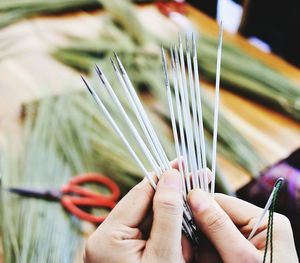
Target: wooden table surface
{"x":29,"y":72}
{"x":272,"y":134}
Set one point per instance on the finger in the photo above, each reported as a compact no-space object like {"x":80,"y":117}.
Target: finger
{"x":201,"y":172}
{"x":175,"y":163}
{"x":259,"y":240}
{"x":146,"y":224}
{"x":165,"y":236}
{"x":240,"y":212}
{"x":187,"y":250}
{"x":133,"y":207}
{"x":218,"y":227}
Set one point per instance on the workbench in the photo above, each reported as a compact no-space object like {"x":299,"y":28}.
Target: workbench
{"x":29,"y":72}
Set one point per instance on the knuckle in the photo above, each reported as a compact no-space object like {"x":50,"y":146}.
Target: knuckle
{"x":281,"y":222}
{"x":90,"y":250}
{"x":216,"y":221}
{"x":169,"y":203}
{"x":282,"y":219}
{"x":162,"y":254}
{"x":247,"y":254}
{"x":141,"y":192}
{"x":98,"y":243}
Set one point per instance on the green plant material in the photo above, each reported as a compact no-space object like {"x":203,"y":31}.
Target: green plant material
{"x":241,"y":73}
{"x":12,"y":11}
{"x":250,"y":77}
{"x":121,"y":12}
{"x":34,"y":230}
{"x":144,"y":68}
{"x":58,"y":144}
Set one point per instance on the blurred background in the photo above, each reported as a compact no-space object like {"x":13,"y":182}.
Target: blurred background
{"x":51,"y":130}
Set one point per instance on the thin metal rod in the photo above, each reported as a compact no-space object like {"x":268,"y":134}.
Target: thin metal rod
{"x":216,"y":111}
{"x":186,"y":222}
{"x":143,"y":113}
{"x":139,"y":117}
{"x":187,"y":117}
{"x":267,"y":207}
{"x":173,"y":121}
{"x":119,"y":132}
{"x":134,"y":131}
{"x":197,"y":155}
{"x":176,"y":73}
{"x":258,"y":223}
{"x":199,"y":111}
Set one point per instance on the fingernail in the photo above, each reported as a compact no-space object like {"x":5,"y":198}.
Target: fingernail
{"x":172,"y":179}
{"x":198,"y":200}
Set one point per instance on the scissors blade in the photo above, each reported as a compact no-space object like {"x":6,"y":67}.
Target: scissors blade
{"x":51,"y":195}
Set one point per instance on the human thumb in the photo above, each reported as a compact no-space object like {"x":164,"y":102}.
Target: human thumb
{"x":165,"y":236}
{"x":218,"y":227}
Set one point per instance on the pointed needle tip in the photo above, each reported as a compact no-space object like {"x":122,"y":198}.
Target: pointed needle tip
{"x":87,"y":85}
{"x":163,"y":55}
{"x":172,"y":57}
{"x":116,"y":56}
{"x":83,"y":79}
{"x":187,"y":45}
{"x":194,"y":49}
{"x":119,"y":63}
{"x":279,"y":180}
{"x":98,"y":70}
{"x":100,"y":73}
{"x":113,"y":64}
{"x":179,"y":39}
{"x":221,"y":27}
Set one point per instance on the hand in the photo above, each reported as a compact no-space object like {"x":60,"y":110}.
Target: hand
{"x":228,"y":221}
{"x":123,"y":236}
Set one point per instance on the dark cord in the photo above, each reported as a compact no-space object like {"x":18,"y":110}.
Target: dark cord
{"x":269,"y":239}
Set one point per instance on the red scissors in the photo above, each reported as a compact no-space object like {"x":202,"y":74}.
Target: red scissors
{"x":73,"y":196}
{"x":166,"y":6}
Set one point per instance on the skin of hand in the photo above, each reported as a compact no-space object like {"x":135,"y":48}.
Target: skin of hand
{"x":121,"y":237}
{"x":228,"y":221}
{"x":145,"y":226}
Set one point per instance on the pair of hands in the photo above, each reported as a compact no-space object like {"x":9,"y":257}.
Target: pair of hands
{"x":145,"y":226}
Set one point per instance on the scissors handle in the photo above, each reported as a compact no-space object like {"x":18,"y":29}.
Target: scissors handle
{"x":72,"y":203}
{"x":74,"y":186}
{"x":167,"y":7}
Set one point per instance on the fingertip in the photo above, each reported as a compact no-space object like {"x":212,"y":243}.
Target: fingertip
{"x":207,"y":172}
{"x":174,"y":172}
{"x":165,"y":235}
{"x":171,"y":179}
{"x":133,"y":207}
{"x":145,"y":186}
{"x":198,"y":200}
{"x":209,"y":175}
{"x":176,"y":163}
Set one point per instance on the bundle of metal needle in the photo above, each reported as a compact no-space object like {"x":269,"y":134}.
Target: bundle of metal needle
{"x":189,"y":142}
{"x":188,"y":113}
